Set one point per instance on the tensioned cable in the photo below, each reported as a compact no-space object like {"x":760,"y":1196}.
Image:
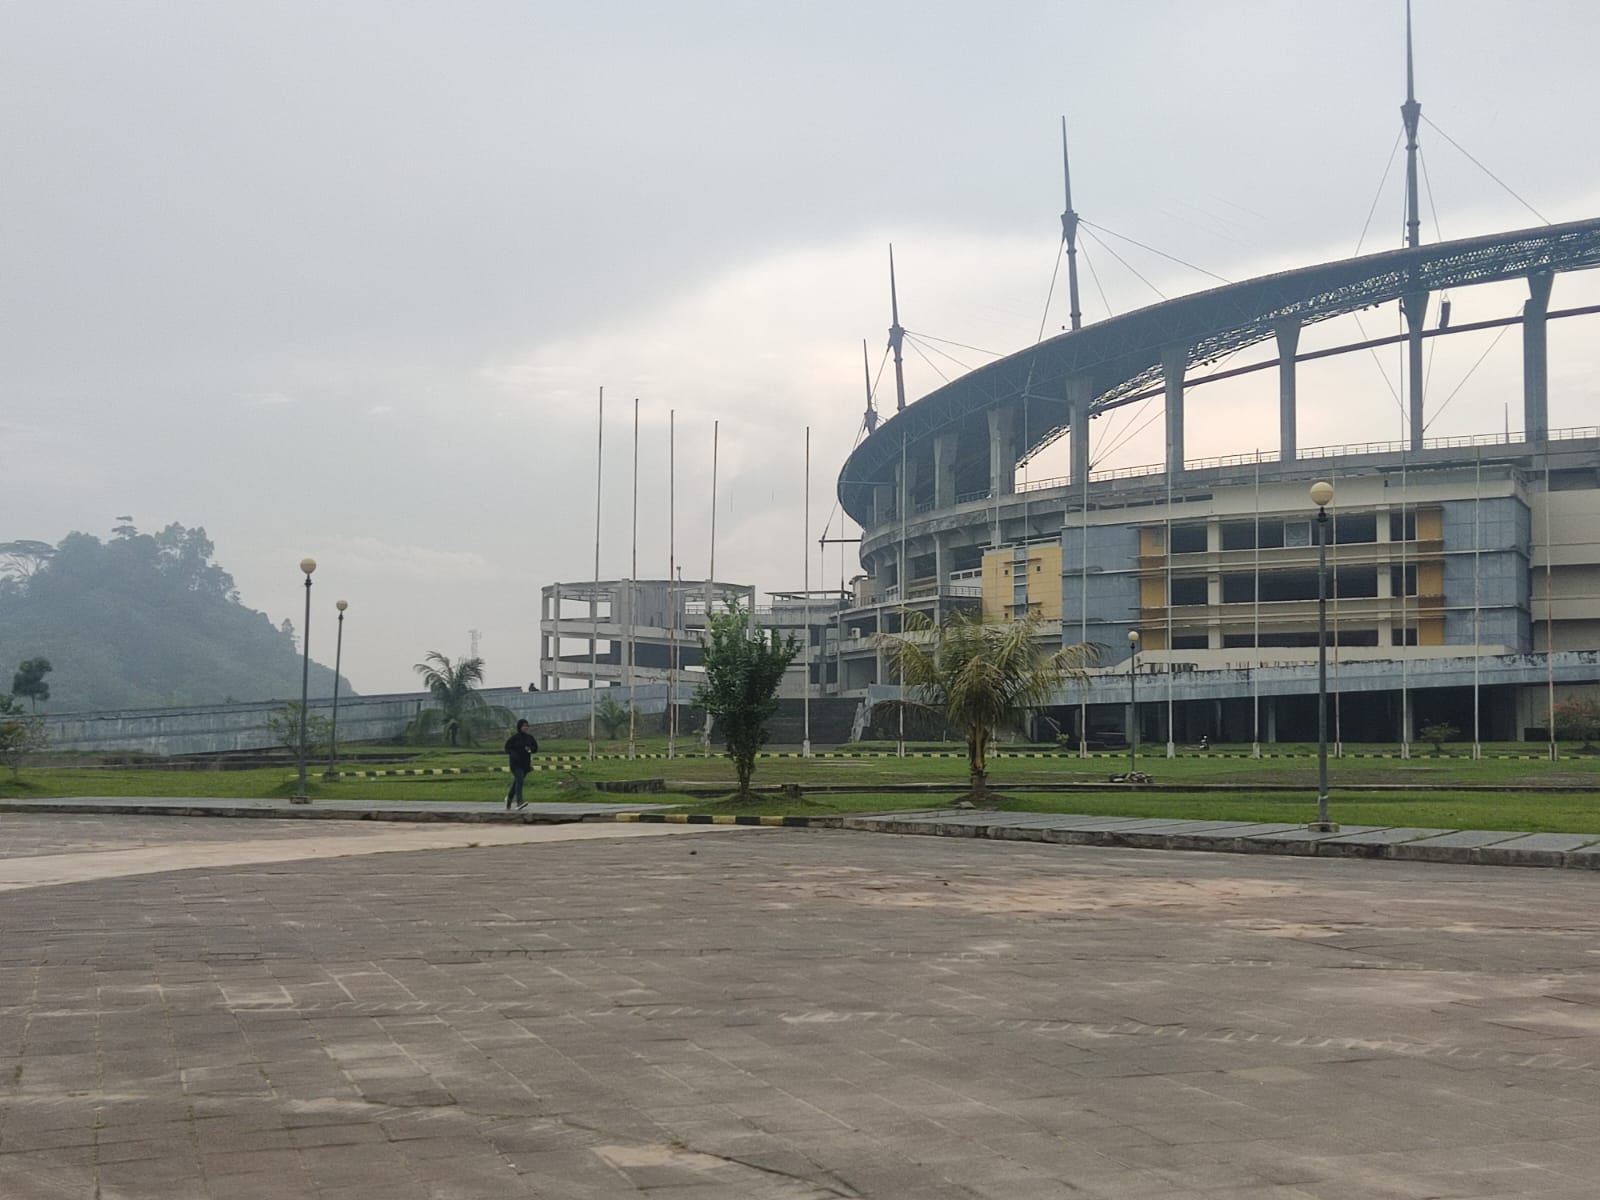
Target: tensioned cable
{"x":1109,"y":249}
{"x":1378,"y":195}
{"x":1438,"y":233}
{"x":1095,"y":275}
{"x":1153,"y":250}
{"x":1055,"y":273}
{"x":928,"y":337}
{"x":1488,"y":172}
{"x":927,"y":346}
{"x":1467,"y":376}
{"x":929,"y":361}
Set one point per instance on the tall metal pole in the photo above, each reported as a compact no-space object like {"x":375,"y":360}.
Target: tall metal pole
{"x":594,"y":597}
{"x":903,"y":583}
{"x":805,"y":550}
{"x":1069,"y":235}
{"x":1549,"y":611}
{"x":711,"y":579}
{"x":633,"y":592}
{"x":1477,"y":601}
{"x":1133,"y":703}
{"x":897,"y":336}
{"x":674,"y":592}
{"x":308,"y":565}
{"x":338,"y":659}
{"x":1321,"y":495}
{"x":1414,"y":303}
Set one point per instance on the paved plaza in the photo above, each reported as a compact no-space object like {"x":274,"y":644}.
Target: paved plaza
{"x":341,"y":1010}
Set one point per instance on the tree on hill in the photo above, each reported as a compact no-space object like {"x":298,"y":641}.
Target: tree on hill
{"x":979,"y":677}
{"x":142,"y":620}
{"x":462,"y":715}
{"x":744,"y":665}
{"x":29,"y":682}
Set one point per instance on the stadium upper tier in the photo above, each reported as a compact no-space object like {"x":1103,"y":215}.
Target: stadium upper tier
{"x":1111,"y":362}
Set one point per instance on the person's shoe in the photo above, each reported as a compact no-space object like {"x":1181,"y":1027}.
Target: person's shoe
{"x":521,"y":804}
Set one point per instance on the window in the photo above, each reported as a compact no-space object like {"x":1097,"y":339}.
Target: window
{"x":1403,"y":526}
{"x":1289,"y":585}
{"x":1188,"y":539}
{"x":1238,"y":588}
{"x":1191,"y":641}
{"x":1238,"y":535}
{"x":1355,"y":528}
{"x":1404,"y":637}
{"x":1403,"y":584}
{"x":1355,"y":583}
{"x":1187,"y":592}
{"x":1297,"y":533}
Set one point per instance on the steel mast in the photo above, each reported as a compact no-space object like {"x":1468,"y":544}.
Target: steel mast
{"x":1069,"y":233}
{"x":897,"y":337}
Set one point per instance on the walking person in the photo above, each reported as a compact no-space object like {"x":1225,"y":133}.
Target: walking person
{"x":521,"y":746}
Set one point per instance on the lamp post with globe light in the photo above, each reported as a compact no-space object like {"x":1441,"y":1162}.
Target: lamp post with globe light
{"x":307,"y":565}
{"x":1133,"y":704}
{"x":1322,"y":496}
{"x":333,"y":729}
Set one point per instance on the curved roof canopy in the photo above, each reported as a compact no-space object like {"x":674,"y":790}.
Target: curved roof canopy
{"x":1122,"y":355}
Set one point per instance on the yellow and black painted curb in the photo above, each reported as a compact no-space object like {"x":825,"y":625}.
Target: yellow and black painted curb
{"x":678,"y":818}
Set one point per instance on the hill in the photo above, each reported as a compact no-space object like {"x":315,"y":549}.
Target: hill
{"x":143,"y":620}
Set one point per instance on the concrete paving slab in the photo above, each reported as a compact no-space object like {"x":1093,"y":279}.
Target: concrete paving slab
{"x":488,"y":812}
{"x":788,"y":1015}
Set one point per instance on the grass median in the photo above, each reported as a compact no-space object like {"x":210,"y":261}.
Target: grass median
{"x":1426,"y":790}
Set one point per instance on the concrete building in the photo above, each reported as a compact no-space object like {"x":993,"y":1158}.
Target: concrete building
{"x":648,"y":631}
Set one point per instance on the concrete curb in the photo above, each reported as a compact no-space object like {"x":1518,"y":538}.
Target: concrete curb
{"x":1460,"y":847}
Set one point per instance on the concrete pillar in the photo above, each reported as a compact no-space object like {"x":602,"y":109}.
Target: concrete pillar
{"x":1002,"y":452}
{"x":944,"y":470}
{"x":1271,"y":706}
{"x":1288,"y":333}
{"x":1080,"y":395}
{"x":1415,"y":307}
{"x":940,"y":572}
{"x":1173,"y":361}
{"x":1535,"y":364}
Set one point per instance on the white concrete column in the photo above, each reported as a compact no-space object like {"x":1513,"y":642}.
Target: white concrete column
{"x":1288,"y":334}
{"x":1535,"y":364}
{"x":1080,"y":395}
{"x":1002,"y":452}
{"x":944,"y":470}
{"x":1174,"y":359}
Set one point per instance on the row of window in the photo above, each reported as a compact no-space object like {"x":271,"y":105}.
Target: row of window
{"x":1336,"y":637}
{"x":1240,"y":587}
{"x":1273,"y":534}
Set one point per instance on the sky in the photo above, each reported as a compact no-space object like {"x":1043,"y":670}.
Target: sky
{"x":345,"y":279}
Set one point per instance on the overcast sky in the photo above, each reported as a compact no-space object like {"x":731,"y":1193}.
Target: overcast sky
{"x":343,"y":278}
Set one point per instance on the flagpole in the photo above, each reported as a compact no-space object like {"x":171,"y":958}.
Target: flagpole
{"x":805,"y":551}
{"x":674,"y":596}
{"x":594,"y":597}
{"x":633,"y":596}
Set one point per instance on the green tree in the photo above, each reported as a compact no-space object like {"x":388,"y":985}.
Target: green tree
{"x":612,"y":717}
{"x":463,"y":715}
{"x":20,"y":734}
{"x":29,"y":682}
{"x":285,"y":726}
{"x":1438,"y":732}
{"x":1578,"y":720}
{"x":744,"y":665}
{"x":979,"y":678}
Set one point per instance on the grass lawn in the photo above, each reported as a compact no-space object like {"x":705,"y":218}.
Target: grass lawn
{"x":572,"y":775}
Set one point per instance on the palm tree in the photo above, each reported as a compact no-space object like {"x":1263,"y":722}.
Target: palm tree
{"x":462,"y":714}
{"x":979,"y":678}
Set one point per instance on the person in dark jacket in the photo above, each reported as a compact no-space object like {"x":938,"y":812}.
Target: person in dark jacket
{"x":521,"y":746}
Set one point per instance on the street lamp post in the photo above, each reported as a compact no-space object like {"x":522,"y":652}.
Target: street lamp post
{"x":1322,"y":496}
{"x":308,"y":565}
{"x":1133,"y":704}
{"x":333,"y":729}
